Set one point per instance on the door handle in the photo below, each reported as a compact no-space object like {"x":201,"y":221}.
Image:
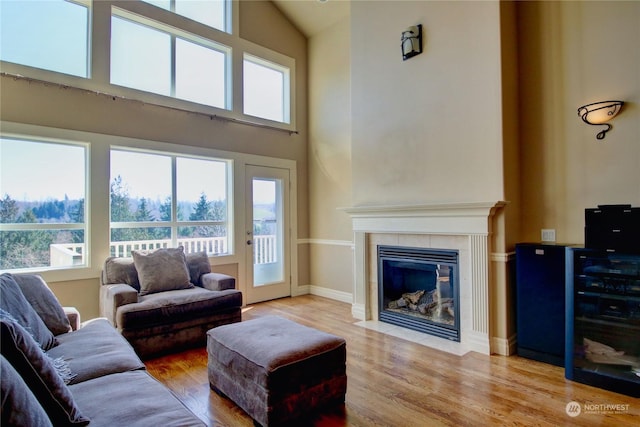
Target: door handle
{"x":249,"y":242}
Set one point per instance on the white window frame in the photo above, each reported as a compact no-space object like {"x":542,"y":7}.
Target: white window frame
{"x":228,"y":15}
{"x":97,"y":199}
{"x":99,"y":80}
{"x":84,"y":226}
{"x":175,"y":33}
{"x":175,"y":224}
{"x":286,"y":93}
{"x":52,"y":76}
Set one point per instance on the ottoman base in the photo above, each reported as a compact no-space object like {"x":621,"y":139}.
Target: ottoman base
{"x":275,"y":369}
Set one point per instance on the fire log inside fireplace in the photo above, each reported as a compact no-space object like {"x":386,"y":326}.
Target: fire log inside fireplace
{"x":428,"y":304}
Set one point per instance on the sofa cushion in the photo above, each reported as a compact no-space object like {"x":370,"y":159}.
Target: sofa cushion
{"x":217,"y":281}
{"x":14,"y":302}
{"x":38,"y":372}
{"x":121,"y":270}
{"x":198,"y":264}
{"x":161,"y":270}
{"x":44,"y":302}
{"x":19,"y":406}
{"x":172,"y":307}
{"x":138,"y":401}
{"x":95,"y":350}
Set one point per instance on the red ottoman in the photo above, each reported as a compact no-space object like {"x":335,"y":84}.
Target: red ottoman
{"x":275,"y":369}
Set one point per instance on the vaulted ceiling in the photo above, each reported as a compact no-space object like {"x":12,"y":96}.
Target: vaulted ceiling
{"x":313,"y":16}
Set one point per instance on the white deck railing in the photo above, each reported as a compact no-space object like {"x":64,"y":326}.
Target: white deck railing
{"x":68,"y":254}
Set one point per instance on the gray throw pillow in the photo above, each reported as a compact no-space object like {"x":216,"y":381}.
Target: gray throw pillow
{"x":162,"y":270}
{"x":44,"y":302}
{"x":121,"y":270}
{"x":14,"y":302}
{"x":19,"y":406}
{"x":38,"y":372}
{"x":198,"y":264}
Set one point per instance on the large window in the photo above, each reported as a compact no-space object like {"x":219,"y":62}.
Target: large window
{"x":266,"y":89}
{"x":42,"y":205}
{"x":53,"y":34}
{"x":179,"y":54}
{"x":214,"y":13}
{"x":152,"y":57}
{"x":165,"y":200}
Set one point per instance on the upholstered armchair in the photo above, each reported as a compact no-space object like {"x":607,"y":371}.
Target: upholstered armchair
{"x":164,"y":301}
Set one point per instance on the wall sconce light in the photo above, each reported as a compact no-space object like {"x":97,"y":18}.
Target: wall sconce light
{"x":411,"y":42}
{"x":599,"y":113}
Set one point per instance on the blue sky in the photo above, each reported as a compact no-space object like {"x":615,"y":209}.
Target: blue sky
{"x":49,"y":34}
{"x":33,"y":171}
{"x":36,"y":171}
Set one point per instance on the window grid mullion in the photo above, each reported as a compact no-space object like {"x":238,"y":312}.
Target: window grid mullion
{"x":173,"y":65}
{"x":174,"y":201}
{"x":172,"y":7}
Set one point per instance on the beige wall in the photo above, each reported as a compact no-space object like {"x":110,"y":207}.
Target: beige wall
{"x":330,"y":131}
{"x":434,"y":128}
{"x":571,"y":54}
{"x":52,"y":106}
{"x":330,"y":158}
{"x":428,"y":129}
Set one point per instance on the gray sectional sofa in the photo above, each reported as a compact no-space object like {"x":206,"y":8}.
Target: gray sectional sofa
{"x":52,"y":375}
{"x":164,"y":301}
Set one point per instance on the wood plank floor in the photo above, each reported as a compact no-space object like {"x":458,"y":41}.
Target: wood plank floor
{"x":393,"y":382}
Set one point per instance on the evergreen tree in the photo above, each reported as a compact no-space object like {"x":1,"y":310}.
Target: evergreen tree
{"x":76,"y":214}
{"x":219,"y":210}
{"x":27,"y":217}
{"x":165,"y":210}
{"x":120,"y":211}
{"x":51,"y":209}
{"x":202,"y":210}
{"x":219,"y":213}
{"x":8,"y":210}
{"x":143,"y":213}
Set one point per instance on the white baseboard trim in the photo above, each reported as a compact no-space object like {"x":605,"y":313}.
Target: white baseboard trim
{"x":358,"y":311}
{"x":504,"y":347}
{"x":300,"y":290}
{"x":331,"y":294}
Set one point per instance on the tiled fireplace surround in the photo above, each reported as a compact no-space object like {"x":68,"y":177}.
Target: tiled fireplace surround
{"x":464,"y":227}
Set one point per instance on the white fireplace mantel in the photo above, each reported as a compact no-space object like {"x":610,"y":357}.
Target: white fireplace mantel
{"x":462,"y":226}
{"x":437,"y":218}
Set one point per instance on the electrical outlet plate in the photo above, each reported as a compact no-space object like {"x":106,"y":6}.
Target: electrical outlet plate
{"x":548,"y":235}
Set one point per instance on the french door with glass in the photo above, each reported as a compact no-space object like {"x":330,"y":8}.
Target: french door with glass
{"x":267,"y":234}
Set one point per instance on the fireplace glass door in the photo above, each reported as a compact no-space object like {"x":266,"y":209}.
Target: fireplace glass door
{"x":418,"y":289}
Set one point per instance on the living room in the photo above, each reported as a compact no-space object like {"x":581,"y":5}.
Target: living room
{"x":486,"y":114}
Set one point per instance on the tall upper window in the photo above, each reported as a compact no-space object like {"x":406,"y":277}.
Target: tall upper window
{"x":42,"y":204}
{"x":53,"y":35}
{"x":175,"y":53}
{"x":152,"y":57}
{"x":213,"y":13}
{"x":163,"y":200}
{"x":266,"y":89}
